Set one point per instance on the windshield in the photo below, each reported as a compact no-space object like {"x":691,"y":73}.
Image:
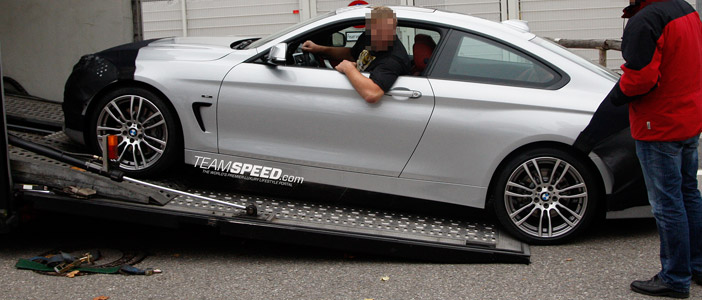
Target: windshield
{"x":287,"y":30}
{"x":562,"y":51}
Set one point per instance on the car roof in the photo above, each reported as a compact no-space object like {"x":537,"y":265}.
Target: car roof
{"x":394,"y":8}
{"x":455,"y":19}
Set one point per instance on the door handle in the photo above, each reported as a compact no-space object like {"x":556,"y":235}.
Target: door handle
{"x":403,"y":93}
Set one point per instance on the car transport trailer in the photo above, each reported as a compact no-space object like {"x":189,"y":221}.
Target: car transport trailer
{"x":49,"y":184}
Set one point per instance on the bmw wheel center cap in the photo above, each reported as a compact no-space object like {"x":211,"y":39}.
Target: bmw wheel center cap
{"x":545,"y":196}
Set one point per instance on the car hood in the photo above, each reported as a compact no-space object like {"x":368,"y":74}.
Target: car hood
{"x":189,"y":48}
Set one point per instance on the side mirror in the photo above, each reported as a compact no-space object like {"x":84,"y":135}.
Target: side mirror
{"x":338,"y":39}
{"x":276,"y":56}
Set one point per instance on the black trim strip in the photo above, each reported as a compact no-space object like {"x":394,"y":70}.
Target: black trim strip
{"x":198,"y":114}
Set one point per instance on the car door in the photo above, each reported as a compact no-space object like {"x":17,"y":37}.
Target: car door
{"x":314,"y":117}
{"x":491,"y":97}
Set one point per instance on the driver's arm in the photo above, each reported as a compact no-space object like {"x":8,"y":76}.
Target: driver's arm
{"x":338,"y":53}
{"x":369,"y":90}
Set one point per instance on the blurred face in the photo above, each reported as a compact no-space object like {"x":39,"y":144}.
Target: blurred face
{"x":382,"y":32}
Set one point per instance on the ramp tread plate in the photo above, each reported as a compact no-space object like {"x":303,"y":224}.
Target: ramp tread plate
{"x":31,"y":109}
{"x":57,"y":140}
{"x":347,"y":219}
{"x":332,"y":218}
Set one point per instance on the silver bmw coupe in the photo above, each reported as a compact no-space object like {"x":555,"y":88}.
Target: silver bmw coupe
{"x":489,"y":117}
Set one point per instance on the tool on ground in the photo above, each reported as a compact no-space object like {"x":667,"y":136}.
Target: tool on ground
{"x":67,"y":266}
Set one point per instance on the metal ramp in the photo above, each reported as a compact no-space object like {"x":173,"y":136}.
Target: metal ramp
{"x":33,"y":114}
{"x":359,"y":229}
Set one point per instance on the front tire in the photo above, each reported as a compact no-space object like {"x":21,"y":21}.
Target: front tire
{"x":546,"y":196}
{"x":146,"y":126}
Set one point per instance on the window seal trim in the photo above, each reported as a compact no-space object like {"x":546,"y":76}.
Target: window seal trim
{"x":555,"y":85}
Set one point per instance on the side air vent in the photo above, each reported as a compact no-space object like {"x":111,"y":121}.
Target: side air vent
{"x":198,"y":113}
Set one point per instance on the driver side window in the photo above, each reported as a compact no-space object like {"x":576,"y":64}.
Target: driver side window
{"x":420,"y":44}
{"x":344,"y":36}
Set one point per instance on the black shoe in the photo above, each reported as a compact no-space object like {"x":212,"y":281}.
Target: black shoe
{"x":697,"y":279}
{"x":656,"y":287}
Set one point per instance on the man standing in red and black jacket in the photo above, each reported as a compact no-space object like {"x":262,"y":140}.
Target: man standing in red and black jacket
{"x":662,"y":83}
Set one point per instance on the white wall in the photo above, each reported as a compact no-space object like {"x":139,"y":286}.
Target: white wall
{"x":578,"y":19}
{"x":218,"y":17}
{"x":570,"y":19}
{"x":43,"y":39}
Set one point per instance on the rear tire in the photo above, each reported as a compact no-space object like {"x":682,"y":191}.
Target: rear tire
{"x":149,"y":135}
{"x":546,"y":196}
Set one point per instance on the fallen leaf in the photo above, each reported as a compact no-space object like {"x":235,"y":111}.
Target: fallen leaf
{"x":101,"y":298}
{"x":569,"y":259}
{"x":72,"y":274}
{"x":385,"y":278}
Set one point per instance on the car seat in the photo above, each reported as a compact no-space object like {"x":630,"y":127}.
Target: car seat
{"x":422,"y":49}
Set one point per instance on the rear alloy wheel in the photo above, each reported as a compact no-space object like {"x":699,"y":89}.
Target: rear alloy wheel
{"x":144,"y":125}
{"x":545,"y":196}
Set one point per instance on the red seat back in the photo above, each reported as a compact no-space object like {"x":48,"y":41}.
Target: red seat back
{"x":422,"y":49}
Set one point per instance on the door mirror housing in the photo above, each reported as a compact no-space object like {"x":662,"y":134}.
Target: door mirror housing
{"x":338,"y":39}
{"x":276,"y":56}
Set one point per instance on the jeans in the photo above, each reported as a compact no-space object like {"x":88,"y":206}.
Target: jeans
{"x":670,"y":172}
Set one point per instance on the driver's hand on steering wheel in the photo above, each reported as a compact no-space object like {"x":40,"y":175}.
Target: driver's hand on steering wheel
{"x":310,"y":46}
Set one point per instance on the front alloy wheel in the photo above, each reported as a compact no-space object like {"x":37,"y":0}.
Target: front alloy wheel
{"x":142,"y":130}
{"x":546,"y":197}
{"x":144,"y":126}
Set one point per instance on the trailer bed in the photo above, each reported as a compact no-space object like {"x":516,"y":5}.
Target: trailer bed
{"x":46,"y":184}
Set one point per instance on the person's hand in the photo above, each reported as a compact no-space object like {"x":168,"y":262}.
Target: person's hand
{"x":310,"y":46}
{"x":345,"y":65}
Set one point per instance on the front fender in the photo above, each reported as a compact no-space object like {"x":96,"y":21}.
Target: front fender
{"x":93,"y":73}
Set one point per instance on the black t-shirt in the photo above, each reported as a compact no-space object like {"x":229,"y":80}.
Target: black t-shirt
{"x":384,"y":66}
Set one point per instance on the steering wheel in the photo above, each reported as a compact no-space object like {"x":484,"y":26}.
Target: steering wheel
{"x":304,"y":58}
{"x":312,"y":60}
{"x":320,"y":61}
{"x":309,"y":59}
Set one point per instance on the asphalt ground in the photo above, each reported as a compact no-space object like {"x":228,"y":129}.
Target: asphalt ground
{"x":200,"y":264}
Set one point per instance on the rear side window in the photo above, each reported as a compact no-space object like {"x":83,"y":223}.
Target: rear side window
{"x":469,"y":57}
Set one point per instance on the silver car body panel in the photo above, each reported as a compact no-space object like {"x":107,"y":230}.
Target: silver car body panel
{"x":188,"y":49}
{"x":314,"y":117}
{"x":443,"y":146}
{"x":201,"y":85}
{"x":444,"y":192}
{"x":472,"y":119}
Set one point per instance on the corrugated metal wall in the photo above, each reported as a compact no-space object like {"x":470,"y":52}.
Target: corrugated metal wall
{"x":218,"y":17}
{"x":161,"y":19}
{"x":570,"y":19}
{"x":324,"y":6}
{"x":578,"y":19}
